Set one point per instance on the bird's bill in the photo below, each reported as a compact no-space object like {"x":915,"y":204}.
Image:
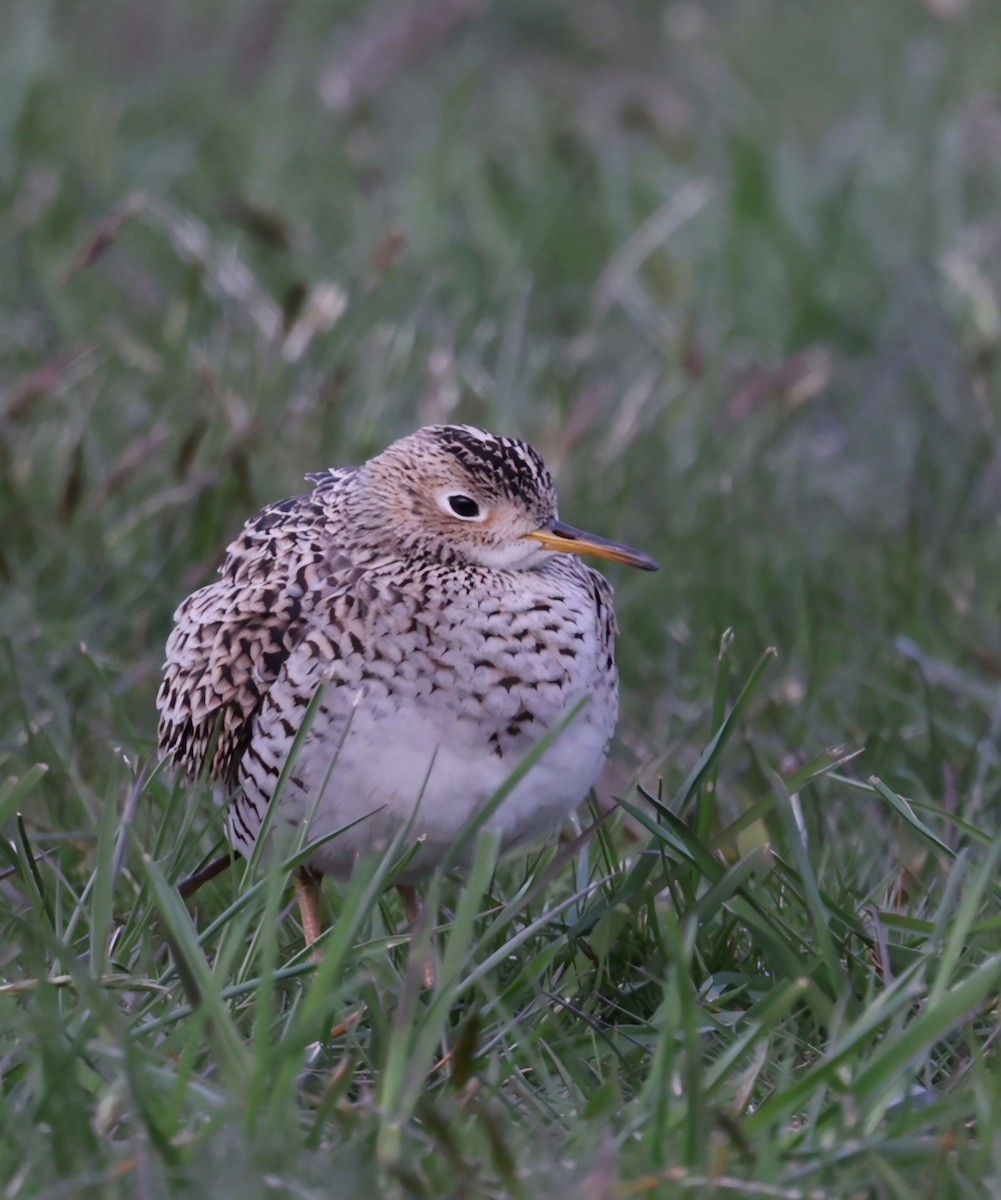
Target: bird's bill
{"x":565,"y":539}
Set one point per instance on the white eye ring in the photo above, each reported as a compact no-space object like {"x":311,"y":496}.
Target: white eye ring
{"x":458,"y":504}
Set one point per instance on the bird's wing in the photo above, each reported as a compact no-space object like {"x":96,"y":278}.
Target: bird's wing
{"x":231,"y":639}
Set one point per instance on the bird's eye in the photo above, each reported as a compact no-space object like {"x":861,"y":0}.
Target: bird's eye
{"x":464,"y":506}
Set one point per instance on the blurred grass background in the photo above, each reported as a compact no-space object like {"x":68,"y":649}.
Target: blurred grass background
{"x":735,"y":269}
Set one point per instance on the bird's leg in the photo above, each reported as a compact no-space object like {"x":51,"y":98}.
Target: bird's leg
{"x":413,"y":910}
{"x":188,"y":887}
{"x":307,"y":894}
{"x":412,"y":907}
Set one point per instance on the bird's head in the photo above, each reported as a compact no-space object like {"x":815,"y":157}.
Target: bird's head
{"x":457,"y":492}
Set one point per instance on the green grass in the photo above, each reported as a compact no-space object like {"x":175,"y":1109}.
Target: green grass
{"x":734,"y":269}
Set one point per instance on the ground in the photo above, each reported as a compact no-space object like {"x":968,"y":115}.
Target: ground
{"x":735,"y":268}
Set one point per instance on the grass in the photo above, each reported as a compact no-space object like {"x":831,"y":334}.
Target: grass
{"x":734,"y":269}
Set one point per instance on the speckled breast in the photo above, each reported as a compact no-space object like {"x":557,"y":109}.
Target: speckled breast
{"x":431,"y":695}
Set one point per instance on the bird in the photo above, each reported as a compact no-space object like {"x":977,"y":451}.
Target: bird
{"x":432,"y":614}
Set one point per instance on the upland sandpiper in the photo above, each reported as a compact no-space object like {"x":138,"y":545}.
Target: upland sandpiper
{"x":440,"y":603}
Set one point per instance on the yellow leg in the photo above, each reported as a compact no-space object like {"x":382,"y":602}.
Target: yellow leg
{"x":412,"y":910}
{"x":307,"y":894}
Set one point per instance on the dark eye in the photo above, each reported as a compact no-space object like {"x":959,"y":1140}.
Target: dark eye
{"x":463,"y":506}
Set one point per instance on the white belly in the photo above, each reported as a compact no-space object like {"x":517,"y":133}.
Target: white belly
{"x":388,"y":773}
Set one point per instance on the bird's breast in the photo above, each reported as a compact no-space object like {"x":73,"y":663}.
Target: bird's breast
{"x":428,"y":704}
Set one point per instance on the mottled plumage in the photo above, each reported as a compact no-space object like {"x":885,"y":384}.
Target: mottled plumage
{"x":423,"y":593}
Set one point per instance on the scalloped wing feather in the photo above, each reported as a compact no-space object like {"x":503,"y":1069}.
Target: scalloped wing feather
{"x":232,"y":638}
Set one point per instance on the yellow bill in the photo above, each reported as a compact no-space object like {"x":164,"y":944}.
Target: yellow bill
{"x":567,"y":540}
